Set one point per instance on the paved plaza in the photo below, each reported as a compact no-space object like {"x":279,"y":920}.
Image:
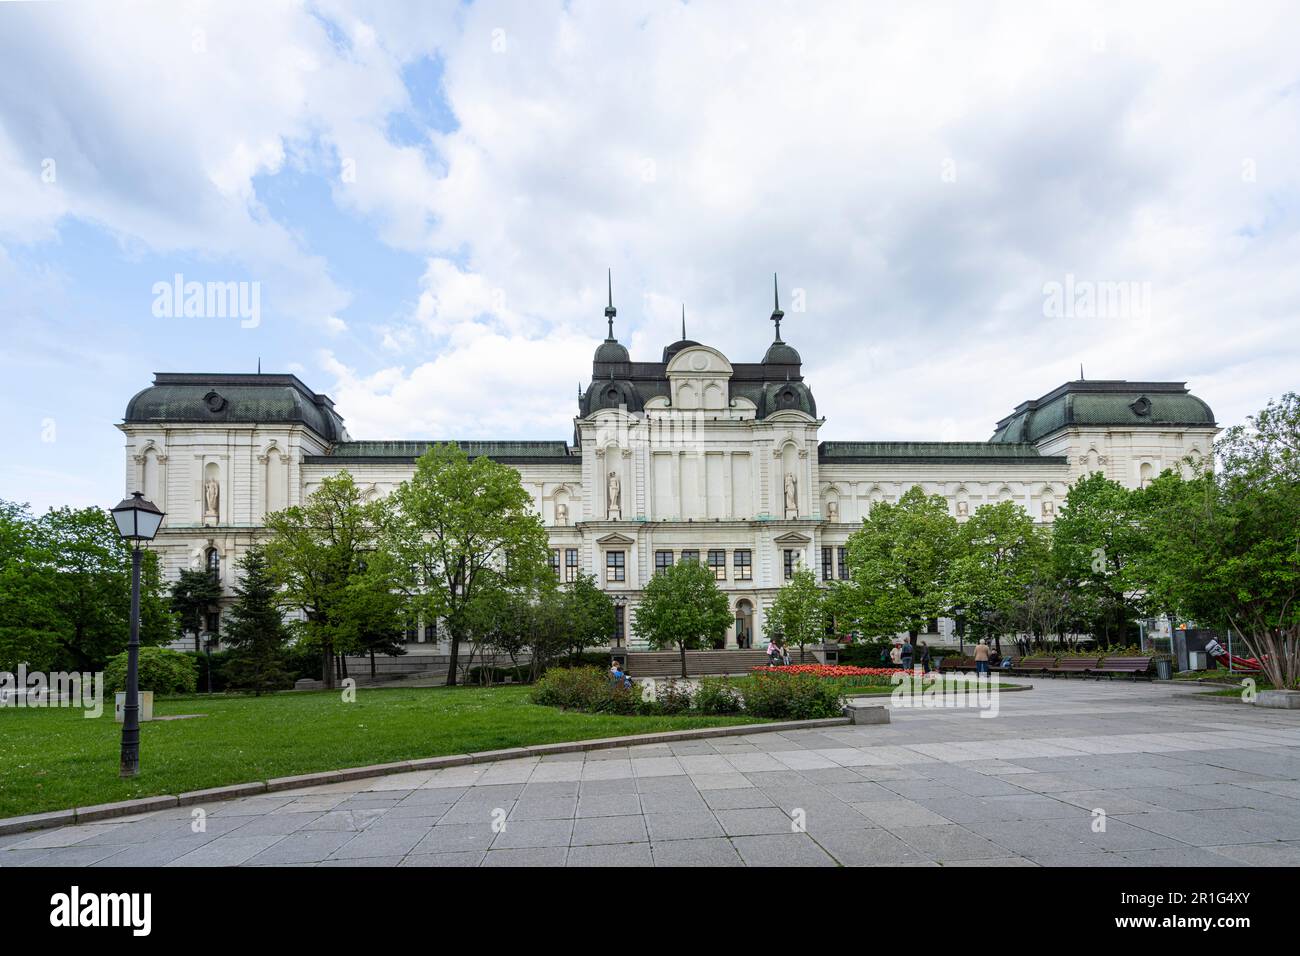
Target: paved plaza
{"x":1180,"y":783}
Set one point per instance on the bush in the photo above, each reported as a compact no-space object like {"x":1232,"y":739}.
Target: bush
{"x":498,"y":675}
{"x":863,"y":654}
{"x":673,"y":697}
{"x":219,"y":661}
{"x":161,"y":671}
{"x":781,"y":695}
{"x":718,"y":696}
{"x":585,"y":688}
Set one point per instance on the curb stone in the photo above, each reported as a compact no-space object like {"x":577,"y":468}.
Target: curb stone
{"x":106,"y":811}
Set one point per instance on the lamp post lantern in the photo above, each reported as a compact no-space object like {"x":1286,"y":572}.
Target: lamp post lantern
{"x":137,"y":521}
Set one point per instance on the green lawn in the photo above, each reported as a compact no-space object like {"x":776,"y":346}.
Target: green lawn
{"x":55,"y":758}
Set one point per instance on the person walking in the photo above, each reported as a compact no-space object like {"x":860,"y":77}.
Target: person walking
{"x":895,"y":654}
{"x":923,"y":656}
{"x":905,"y":654}
{"x":982,"y":658}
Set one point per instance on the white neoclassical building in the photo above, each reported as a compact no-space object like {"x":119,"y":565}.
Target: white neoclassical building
{"x":692,"y":457}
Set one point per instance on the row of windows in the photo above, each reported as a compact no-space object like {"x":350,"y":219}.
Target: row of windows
{"x":742,"y":560}
{"x":570,"y":563}
{"x":833,"y":558}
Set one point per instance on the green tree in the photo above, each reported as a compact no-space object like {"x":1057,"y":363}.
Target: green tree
{"x":798,"y":614}
{"x":1225,"y":546}
{"x":192,"y":595}
{"x":588,"y":613}
{"x":682,"y":608}
{"x":465,"y":535}
{"x":899,"y":561}
{"x":318,"y":553}
{"x":1097,"y":544}
{"x":29,"y":627}
{"x":255,"y":630}
{"x":999,"y":555}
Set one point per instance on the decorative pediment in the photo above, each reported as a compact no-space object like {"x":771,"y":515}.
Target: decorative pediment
{"x":615,"y":538}
{"x":793,"y":538}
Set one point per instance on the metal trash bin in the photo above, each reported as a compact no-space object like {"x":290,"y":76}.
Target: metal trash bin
{"x":1164,"y":670}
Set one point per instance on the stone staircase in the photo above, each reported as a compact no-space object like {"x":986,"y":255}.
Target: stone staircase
{"x":668,"y":663}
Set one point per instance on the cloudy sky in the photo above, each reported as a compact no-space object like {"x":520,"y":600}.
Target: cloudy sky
{"x":427,"y":198}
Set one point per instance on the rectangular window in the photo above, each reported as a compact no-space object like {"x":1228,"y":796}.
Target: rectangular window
{"x":718,"y":563}
{"x":555,"y":562}
{"x":570,"y":564}
{"x":791,"y":563}
{"x":690,"y":555}
{"x":743,"y":561}
{"x":615,"y":566}
{"x":663,"y":561}
{"x":828,"y":571}
{"x":431,"y":632}
{"x":842,"y":558}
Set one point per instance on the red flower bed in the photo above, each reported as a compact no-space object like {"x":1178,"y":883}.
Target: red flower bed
{"x":835,"y":670}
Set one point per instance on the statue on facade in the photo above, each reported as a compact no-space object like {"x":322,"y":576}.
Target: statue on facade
{"x":211,"y":497}
{"x":561,"y":513}
{"x":962,"y":509}
{"x":1049,"y":508}
{"x":832,"y":510}
{"x":615,"y":496}
{"x":791,"y":497}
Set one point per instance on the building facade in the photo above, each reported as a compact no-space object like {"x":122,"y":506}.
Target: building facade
{"x":692,"y":457}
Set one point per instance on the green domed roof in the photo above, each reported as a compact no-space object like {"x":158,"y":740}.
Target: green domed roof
{"x":1108,"y":404}
{"x":237,"y":399}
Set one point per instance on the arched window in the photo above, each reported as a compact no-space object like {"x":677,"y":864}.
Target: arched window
{"x":213,"y":564}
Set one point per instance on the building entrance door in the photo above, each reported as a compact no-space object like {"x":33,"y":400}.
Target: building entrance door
{"x":744,"y":624}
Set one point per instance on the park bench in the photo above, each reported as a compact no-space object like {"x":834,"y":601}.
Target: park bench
{"x":1036,"y":665}
{"x":1133,"y":667}
{"x":955,"y":663}
{"x":1076,"y":665}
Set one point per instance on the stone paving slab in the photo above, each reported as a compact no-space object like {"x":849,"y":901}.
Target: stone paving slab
{"x":1178,"y":784}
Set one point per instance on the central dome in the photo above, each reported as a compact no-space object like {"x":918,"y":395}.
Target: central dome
{"x":778,"y":353}
{"x":611,"y":352}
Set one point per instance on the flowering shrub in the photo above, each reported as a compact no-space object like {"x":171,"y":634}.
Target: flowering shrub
{"x":717,"y":695}
{"x":585,"y":688}
{"x":781,"y":695}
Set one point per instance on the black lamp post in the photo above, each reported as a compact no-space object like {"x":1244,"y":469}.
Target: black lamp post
{"x":137,"y":520}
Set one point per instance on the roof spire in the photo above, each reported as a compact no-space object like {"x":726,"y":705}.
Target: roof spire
{"x":610,"y":311}
{"x":683,"y":321}
{"x":1081,"y":371}
{"x":777,"y":314}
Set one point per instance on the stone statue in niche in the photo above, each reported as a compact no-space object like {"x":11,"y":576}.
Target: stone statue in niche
{"x":963,"y":509}
{"x":1049,"y":508}
{"x":791,"y":496}
{"x":211,"y":498}
{"x":561,"y":513}
{"x":832,"y":510}
{"x":615,"y":497}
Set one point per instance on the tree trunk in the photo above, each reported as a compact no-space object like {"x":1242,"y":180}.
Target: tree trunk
{"x":453,"y":661}
{"x":372,"y":663}
{"x":682,"y":648}
{"x":327,"y":665}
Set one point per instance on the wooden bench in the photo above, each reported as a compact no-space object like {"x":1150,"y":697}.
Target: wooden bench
{"x":1077,"y":665}
{"x":1036,"y":665}
{"x":954,"y":663}
{"x":1133,"y":667}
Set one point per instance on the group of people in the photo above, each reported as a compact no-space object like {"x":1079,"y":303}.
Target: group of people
{"x":777,"y":654}
{"x":903,"y":654}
